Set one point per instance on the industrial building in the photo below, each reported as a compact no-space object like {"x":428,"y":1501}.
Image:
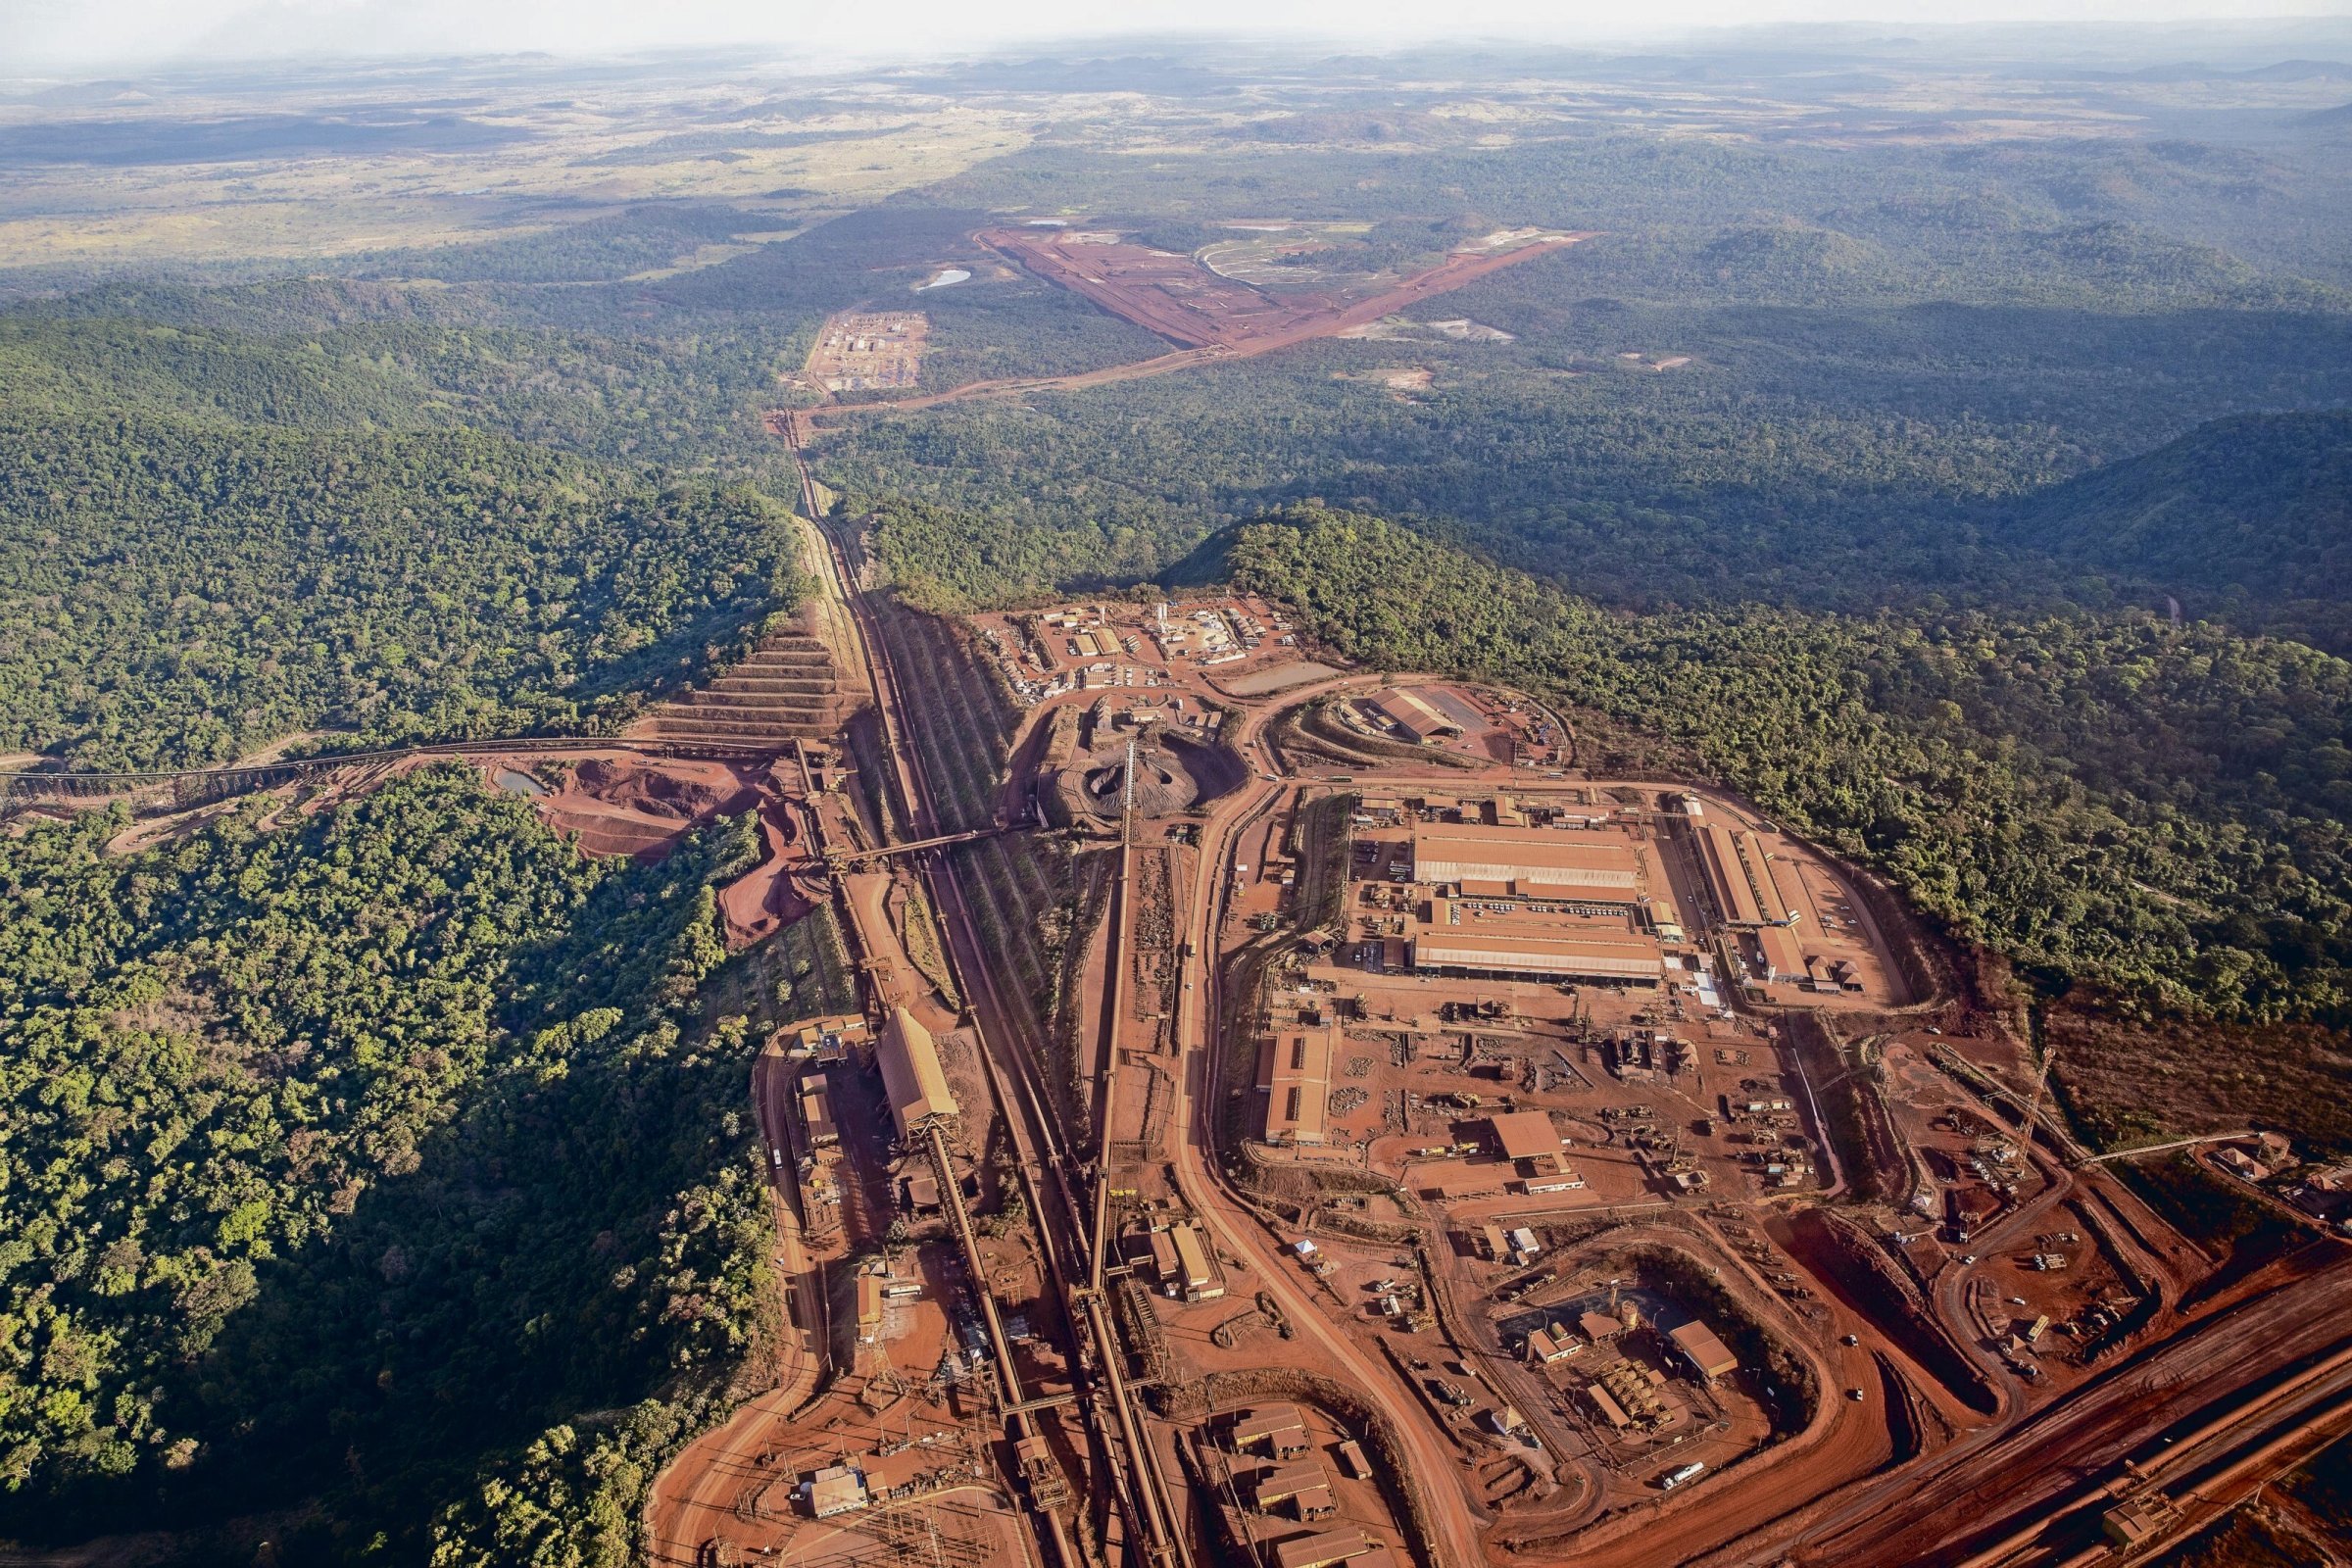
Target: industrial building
{"x":1706,"y":1354}
{"x":827,"y":1039}
{"x":1524,"y":1135}
{"x":1468,"y":939}
{"x":1416,"y":717}
{"x":1323,"y":1551}
{"x":1277,"y":1429}
{"x":835,"y":1489}
{"x":1294,"y":1072}
{"x":1779,"y":957}
{"x":1199,"y":1277}
{"x":1740,"y":877}
{"x":911,"y":1075}
{"x":2136,"y":1520}
{"x":1527,"y":862}
{"x":1301,"y":1484}
{"x":1528,"y":1139}
{"x":816,"y":1111}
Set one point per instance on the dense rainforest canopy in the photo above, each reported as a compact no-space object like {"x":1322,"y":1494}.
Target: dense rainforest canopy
{"x":175,"y":590}
{"x":343,"y":1156}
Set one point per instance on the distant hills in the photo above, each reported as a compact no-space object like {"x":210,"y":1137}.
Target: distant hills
{"x":2250,"y":517}
{"x":2283,"y":71}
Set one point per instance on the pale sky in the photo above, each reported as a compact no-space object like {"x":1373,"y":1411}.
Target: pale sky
{"x":85,"y":36}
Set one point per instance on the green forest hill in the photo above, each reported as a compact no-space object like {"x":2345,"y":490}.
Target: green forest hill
{"x":2246,"y":519}
{"x":238,"y":539}
{"x":391,"y":1167}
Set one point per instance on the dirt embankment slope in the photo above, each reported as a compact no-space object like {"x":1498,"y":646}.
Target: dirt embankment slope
{"x":621,"y":803}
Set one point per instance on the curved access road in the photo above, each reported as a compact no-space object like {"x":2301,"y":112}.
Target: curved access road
{"x":696,"y":1494}
{"x":1198,"y":1180}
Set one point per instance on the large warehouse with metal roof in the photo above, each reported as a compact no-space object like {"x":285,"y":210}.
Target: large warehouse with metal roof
{"x":1626,"y":959}
{"x":911,"y":1075}
{"x":1530,"y":863}
{"x":1506,"y":941}
{"x":1740,"y":877}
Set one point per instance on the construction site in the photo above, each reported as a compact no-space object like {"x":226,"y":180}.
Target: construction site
{"x":866,"y":352}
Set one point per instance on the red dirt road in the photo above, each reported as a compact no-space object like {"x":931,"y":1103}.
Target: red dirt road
{"x":694,"y":1498}
{"x":1924,"y":1511}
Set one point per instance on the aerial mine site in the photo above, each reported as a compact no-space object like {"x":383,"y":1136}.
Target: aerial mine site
{"x":1446,"y":1155}
{"x":1416,"y":802}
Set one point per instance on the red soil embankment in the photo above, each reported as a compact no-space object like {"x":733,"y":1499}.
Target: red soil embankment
{"x":641,"y":806}
{"x":765,"y":899}
{"x":1842,"y":1261}
{"x":626,"y":803}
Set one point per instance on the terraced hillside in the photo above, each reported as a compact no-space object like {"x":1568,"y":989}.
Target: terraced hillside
{"x":789,"y":687}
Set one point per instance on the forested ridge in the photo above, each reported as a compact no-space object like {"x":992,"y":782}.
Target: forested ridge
{"x":1830,"y":459}
{"x":345,"y":1156}
{"x":2111,"y":801}
{"x":320,"y":355}
{"x":178,"y":587}
{"x":2249,"y":518}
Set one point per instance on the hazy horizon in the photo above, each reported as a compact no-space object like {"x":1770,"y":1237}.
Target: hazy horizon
{"x":62,"y":37}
